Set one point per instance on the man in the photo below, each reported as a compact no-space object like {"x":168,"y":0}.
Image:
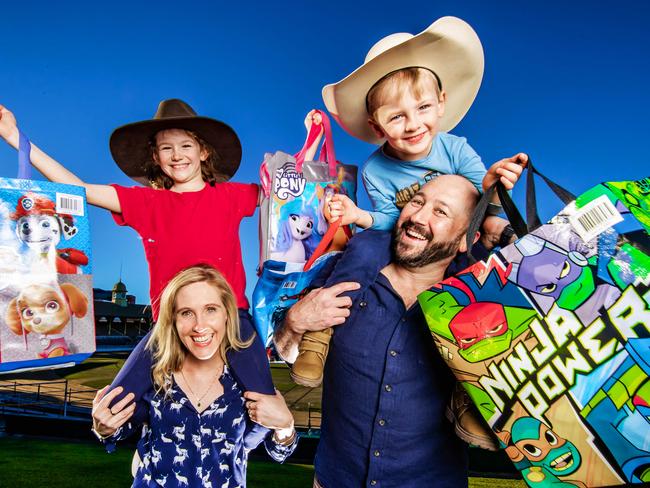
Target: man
{"x":385,"y":388}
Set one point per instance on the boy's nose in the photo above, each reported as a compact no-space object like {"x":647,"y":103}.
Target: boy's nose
{"x":412,"y":123}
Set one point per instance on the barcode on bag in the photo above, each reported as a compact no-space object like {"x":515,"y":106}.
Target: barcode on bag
{"x":594,"y":218}
{"x":289,"y":284}
{"x":69,"y":204}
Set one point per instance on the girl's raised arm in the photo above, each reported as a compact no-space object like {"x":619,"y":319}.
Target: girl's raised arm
{"x":103,"y":196}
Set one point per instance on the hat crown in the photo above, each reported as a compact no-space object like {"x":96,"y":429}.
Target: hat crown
{"x":386,"y":43}
{"x":169,"y":109}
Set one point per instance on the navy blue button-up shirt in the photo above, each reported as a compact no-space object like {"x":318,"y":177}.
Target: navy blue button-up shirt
{"x":385,"y":388}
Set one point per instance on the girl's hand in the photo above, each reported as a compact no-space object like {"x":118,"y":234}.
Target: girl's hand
{"x":269,"y":411}
{"x":107,"y":420}
{"x":507,"y":171}
{"x":8,"y":127}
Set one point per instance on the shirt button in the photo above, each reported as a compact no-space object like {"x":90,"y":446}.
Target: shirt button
{"x":376,"y":453}
{"x":363,"y":304}
{"x":393,"y":353}
{"x":382,"y":422}
{"x":373,"y":482}
{"x":388,"y":388}
{"x":403,"y":319}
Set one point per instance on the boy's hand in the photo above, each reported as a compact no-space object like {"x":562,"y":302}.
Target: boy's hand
{"x":8,"y":127}
{"x":313,"y":117}
{"x":269,"y":411}
{"x":507,"y":171}
{"x":342,"y":206}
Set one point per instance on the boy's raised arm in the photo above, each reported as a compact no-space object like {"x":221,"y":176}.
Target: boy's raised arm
{"x":100,"y":195}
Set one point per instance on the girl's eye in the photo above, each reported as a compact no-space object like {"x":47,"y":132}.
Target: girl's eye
{"x":565,"y":269}
{"x":52,"y":306}
{"x":27,"y":313}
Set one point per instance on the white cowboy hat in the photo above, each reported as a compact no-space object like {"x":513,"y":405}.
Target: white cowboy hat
{"x":449,"y":47}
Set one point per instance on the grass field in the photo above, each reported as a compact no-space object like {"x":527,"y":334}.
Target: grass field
{"x":32,"y":462}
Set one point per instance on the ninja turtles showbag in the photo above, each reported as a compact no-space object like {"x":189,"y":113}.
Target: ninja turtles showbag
{"x":550,"y":337}
{"x":46,"y":308}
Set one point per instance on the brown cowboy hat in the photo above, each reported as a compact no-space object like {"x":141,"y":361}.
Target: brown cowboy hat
{"x":130,"y":143}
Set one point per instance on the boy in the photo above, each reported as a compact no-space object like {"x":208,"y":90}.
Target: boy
{"x":407,"y":94}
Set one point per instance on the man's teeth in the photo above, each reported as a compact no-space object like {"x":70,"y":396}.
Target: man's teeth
{"x":415,"y":235}
{"x":202,"y":339}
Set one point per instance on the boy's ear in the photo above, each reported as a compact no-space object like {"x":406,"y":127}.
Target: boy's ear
{"x":441,"y":103}
{"x":376,"y":128}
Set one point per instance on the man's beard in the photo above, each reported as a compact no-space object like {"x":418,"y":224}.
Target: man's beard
{"x":433,"y":252}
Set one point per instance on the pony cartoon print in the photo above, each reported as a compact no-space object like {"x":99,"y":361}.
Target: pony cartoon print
{"x":299,"y":232}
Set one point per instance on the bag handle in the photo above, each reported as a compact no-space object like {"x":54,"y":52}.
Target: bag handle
{"x":517,"y":222}
{"x":24,"y":150}
{"x":327,"y":239}
{"x":327,"y":153}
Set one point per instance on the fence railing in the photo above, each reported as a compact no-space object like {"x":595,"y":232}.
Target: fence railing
{"x":58,"y":398}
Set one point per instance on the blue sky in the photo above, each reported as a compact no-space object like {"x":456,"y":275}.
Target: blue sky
{"x":564,"y":81}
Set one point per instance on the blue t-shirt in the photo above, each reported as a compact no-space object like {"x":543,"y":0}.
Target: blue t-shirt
{"x":391,"y":182}
{"x":385,"y":387}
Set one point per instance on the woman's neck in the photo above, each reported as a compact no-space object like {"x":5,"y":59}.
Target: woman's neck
{"x":194,"y":367}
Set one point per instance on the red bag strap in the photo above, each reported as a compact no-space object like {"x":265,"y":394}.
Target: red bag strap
{"x":327,"y":151}
{"x":323,"y":244}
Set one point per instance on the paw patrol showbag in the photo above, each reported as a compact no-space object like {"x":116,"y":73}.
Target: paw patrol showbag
{"x":551,"y":338}
{"x":46,"y":295}
{"x":294,"y":212}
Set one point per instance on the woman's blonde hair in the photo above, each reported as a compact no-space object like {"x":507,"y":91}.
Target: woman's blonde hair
{"x":165,"y":345}
{"x":158,"y":179}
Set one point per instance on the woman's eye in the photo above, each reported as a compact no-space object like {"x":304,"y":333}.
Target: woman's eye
{"x":51,"y":306}
{"x":565,"y":269}
{"x":186,"y":314}
{"x":211,"y":309}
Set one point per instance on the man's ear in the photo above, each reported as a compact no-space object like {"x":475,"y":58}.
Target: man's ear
{"x":463,"y":242}
{"x":376,"y":128}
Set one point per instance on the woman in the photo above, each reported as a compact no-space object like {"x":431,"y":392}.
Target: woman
{"x":199,"y":428}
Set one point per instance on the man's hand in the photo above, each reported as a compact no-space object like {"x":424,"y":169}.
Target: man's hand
{"x":321,"y":308}
{"x":507,"y":171}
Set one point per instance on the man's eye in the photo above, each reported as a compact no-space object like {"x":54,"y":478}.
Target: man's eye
{"x":440,"y":211}
{"x":417,"y":202}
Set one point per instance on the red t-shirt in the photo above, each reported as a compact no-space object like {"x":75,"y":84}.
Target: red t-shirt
{"x":182,"y":229}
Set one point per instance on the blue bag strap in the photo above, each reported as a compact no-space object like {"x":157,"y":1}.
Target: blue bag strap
{"x":24,"y":164}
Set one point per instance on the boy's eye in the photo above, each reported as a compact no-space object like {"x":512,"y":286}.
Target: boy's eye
{"x":425,"y":106}
{"x":395,"y":117}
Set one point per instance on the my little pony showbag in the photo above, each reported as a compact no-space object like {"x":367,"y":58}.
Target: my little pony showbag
{"x":551,"y":337}
{"x":294,"y":221}
{"x":46,"y":308}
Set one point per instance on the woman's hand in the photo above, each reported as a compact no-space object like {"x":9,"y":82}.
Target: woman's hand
{"x":107,"y":420}
{"x":8,"y":127}
{"x":269,"y":411}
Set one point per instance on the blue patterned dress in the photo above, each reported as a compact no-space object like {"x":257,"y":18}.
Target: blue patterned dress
{"x":180,"y":447}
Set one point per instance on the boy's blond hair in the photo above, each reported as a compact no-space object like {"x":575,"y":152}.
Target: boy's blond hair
{"x":167,"y":349}
{"x":415,"y":79}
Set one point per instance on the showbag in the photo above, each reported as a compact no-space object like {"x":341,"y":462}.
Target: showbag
{"x":294,"y":212}
{"x":550,"y":336}
{"x":46,"y":296}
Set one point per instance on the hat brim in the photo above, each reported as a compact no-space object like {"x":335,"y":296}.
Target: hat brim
{"x":449,"y":47}
{"x":129,"y":144}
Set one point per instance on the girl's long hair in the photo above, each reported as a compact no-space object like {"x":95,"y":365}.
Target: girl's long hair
{"x":167,"y":350}
{"x":159,"y":180}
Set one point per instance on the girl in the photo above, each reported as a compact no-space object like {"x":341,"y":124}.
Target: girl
{"x":187,"y":214}
{"x":200,"y":428}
